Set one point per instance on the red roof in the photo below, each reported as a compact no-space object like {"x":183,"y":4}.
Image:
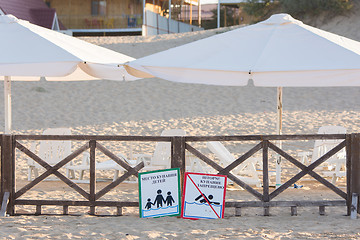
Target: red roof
{"x":34,"y":11}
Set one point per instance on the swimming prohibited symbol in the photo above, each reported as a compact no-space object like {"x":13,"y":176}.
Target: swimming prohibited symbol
{"x":203,"y":196}
{"x":159,"y":193}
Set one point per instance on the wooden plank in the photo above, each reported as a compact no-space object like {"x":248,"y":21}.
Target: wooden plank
{"x":238,"y":212}
{"x":75,"y":203}
{"x":348,"y":173}
{"x":322,"y":210}
{"x":6,"y":166}
{"x":45,"y":164}
{"x":38,"y":210}
{"x":52,"y":170}
{"x":187,"y":138}
{"x":264,"y":137}
{"x":92,"y":177}
{"x":311,"y":173}
{"x":119,"y":211}
{"x":267,"y":211}
{"x":113,"y":157}
{"x":113,"y":184}
{"x":355,"y":164}
{"x":178,"y":156}
{"x":66,"y":210}
{"x":241,"y":159}
{"x":219,"y":168}
{"x":293,"y":210}
{"x":307,"y":170}
{"x":334,"y":203}
{"x":266,"y":197}
{"x":4,"y":204}
{"x":8,"y":170}
{"x":95,"y":137}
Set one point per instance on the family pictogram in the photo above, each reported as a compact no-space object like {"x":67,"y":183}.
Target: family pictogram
{"x":159,"y":200}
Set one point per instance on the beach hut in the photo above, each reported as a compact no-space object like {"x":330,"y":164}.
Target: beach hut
{"x":278,"y":52}
{"x":29,"y":52}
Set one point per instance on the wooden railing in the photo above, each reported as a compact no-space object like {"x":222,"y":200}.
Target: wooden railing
{"x":180,"y":147}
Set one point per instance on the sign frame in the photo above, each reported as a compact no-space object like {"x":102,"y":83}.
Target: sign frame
{"x":186,"y":177}
{"x":141,"y":174}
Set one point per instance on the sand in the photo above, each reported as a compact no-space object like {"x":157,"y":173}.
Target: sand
{"x":146,"y":107}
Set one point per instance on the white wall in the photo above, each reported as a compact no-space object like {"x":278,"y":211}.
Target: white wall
{"x":155,"y":24}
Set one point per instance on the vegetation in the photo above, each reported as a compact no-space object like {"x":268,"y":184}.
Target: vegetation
{"x":259,"y":10}
{"x":231,"y":18}
{"x":314,"y":7}
{"x":297,"y":8}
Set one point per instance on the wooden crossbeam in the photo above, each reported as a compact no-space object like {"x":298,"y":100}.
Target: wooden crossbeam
{"x":51,"y":170}
{"x":241,"y":159}
{"x":111,"y":155}
{"x":219,"y":169}
{"x":122,"y":178}
{"x":307,"y":170}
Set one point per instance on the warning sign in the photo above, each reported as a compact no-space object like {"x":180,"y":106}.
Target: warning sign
{"x":203,"y":196}
{"x":159,"y":193}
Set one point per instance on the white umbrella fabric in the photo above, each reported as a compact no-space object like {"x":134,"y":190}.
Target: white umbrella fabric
{"x":278,"y":52}
{"x":29,"y":51}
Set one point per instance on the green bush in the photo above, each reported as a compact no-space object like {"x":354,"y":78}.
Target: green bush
{"x":296,"y":8}
{"x":301,"y":7}
{"x":258,"y":8}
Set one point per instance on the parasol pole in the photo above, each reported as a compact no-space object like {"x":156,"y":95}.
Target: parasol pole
{"x":199,"y":13}
{"x":279,"y":131}
{"x":7,"y":102}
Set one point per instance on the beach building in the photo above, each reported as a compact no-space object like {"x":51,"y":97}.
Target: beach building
{"x":34,"y":11}
{"x":120,"y":17}
{"x":99,"y":17}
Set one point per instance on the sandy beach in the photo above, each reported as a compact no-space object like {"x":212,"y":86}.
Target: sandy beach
{"x":147,"y":107}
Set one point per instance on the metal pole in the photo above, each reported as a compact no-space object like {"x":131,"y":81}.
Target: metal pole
{"x":144,"y":32}
{"x":7,"y":102}
{"x":218,"y":14}
{"x":279,"y":131}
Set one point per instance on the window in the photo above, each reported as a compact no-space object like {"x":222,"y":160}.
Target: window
{"x":98,"y":7}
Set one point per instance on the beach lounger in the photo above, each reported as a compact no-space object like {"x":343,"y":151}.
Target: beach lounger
{"x":161,"y":158}
{"x":246,"y":171}
{"x":334,"y":167}
{"x":109,"y":165}
{"x":51,"y":151}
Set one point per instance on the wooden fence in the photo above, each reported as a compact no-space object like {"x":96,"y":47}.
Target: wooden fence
{"x":179,"y":148}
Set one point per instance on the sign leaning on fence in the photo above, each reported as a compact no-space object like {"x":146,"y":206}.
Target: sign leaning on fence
{"x":203,"y":196}
{"x":159,"y":193}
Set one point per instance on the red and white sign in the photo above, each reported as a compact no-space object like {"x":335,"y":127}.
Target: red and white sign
{"x":203,"y":196}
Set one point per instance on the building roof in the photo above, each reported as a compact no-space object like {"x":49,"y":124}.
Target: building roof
{"x":34,"y":11}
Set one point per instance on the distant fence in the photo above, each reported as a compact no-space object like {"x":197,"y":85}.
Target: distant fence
{"x":180,"y":147}
{"x":155,"y":24}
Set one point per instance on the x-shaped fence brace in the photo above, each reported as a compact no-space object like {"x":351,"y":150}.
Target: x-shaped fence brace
{"x":265,"y":144}
{"x":54,"y":170}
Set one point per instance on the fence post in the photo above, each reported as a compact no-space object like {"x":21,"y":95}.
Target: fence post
{"x":348,"y":174}
{"x":7,"y":170}
{"x":92,"y":177}
{"x":355,"y":165}
{"x":266,"y":176}
{"x":178,"y":155}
